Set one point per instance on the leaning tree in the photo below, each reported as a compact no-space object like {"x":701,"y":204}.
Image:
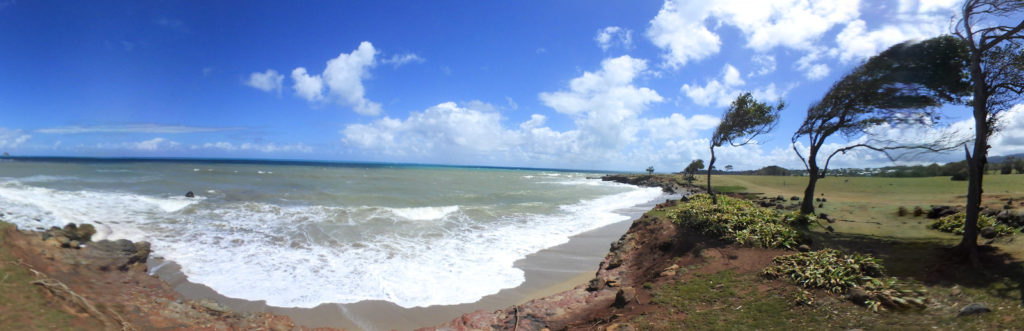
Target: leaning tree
{"x":902,"y":86}
{"x":746,"y":119}
{"x":992,"y":32}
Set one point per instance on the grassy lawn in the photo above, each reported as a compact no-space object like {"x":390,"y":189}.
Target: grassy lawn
{"x":865,"y":209}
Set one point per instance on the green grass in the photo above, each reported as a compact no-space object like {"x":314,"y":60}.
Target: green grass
{"x":23,"y":306}
{"x":725,"y":301}
{"x":729,"y":188}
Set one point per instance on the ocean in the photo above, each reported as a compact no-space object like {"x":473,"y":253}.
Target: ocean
{"x":299,"y":234}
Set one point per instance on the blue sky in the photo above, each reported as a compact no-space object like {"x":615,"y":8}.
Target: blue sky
{"x":567,"y":84}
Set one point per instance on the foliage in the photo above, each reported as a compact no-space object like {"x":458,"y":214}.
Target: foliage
{"x":745,"y":119}
{"x":738,"y":220}
{"x":692,"y":168}
{"x":955,"y":224}
{"x":902,"y":86}
{"x":839,"y":273}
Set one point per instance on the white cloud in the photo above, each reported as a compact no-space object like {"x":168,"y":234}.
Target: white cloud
{"x":399,"y":60}
{"x":343,"y":78}
{"x":265,"y":148}
{"x":614,"y":36}
{"x":679,"y":29}
{"x":914,"y":20}
{"x":266,"y":81}
{"x":133,"y":128}
{"x":766,"y":64}
{"x":10,"y":138}
{"x":306,"y":86}
{"x":153,"y":144}
{"x":810,"y":66}
{"x":1010,"y":137}
{"x":600,"y":102}
{"x":721,"y":92}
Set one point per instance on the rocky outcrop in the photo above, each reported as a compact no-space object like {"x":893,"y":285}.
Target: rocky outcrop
{"x":108,"y":281}
{"x":667,"y":183}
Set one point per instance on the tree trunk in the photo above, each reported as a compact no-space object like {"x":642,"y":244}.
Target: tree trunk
{"x":807,"y":205}
{"x":711,"y":164}
{"x":976,"y":163}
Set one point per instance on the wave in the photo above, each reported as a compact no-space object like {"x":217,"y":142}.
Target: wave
{"x":303,"y":256}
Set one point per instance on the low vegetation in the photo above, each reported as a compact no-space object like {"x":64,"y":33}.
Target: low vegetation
{"x":955,"y":224}
{"x":861,"y":277}
{"x":739,"y":221}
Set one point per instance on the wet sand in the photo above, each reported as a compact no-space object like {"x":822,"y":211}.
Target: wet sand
{"x":547,"y":272}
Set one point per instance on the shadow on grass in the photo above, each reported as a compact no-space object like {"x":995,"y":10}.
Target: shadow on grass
{"x":934,"y":262}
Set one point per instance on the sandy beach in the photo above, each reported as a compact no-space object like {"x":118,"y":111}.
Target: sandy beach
{"x":547,"y":272}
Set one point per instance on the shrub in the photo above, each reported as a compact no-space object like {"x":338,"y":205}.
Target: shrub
{"x":738,"y":220}
{"x":902,"y":211}
{"x":839,"y":273}
{"x":955,"y":224}
{"x":918,"y":211}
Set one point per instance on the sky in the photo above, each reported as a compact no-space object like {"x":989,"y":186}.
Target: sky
{"x":607,"y":85}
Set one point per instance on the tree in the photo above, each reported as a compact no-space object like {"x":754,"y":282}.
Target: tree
{"x":995,"y":69}
{"x":902,"y":86}
{"x":728,"y":167}
{"x":1018,"y":164}
{"x":650,"y":170}
{"x":1006,"y":167}
{"x":746,"y":119}
{"x":691,"y":170}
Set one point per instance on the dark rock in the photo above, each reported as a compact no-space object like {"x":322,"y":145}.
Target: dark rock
{"x":624,"y":296}
{"x":973,"y":308}
{"x":190,"y":194}
{"x":119,"y":254}
{"x":824,"y":200}
{"x":794,"y":198}
{"x":803,"y":248}
{"x":830,"y":229}
{"x":821,"y":205}
{"x":988,"y":232}
{"x":823,"y":216}
{"x":75,"y":244}
{"x":857,"y":295}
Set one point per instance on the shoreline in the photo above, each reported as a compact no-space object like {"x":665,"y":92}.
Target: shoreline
{"x":549,"y":271}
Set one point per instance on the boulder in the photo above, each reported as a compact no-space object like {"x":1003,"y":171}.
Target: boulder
{"x":803,"y":248}
{"x":624,"y":296}
{"x":190,"y":194}
{"x":82,"y":233}
{"x":988,"y":232}
{"x":119,"y":254}
{"x":973,"y":308}
{"x":857,"y":295}
{"x":794,"y":198}
{"x":620,"y":327}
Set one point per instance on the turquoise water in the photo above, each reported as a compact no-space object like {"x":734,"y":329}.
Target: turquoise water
{"x":298,"y":235}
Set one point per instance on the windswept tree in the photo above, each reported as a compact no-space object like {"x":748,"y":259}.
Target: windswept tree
{"x":728,"y":167}
{"x":992,"y":32}
{"x":902,"y":86}
{"x":746,"y":119}
{"x":650,"y":170}
{"x":692,"y":169}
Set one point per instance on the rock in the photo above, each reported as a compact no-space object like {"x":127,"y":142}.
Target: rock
{"x":857,"y":295}
{"x":821,"y":205}
{"x":52,"y":241}
{"x":956,"y":291}
{"x":595,"y":284}
{"x":214,"y":307}
{"x":973,"y":308}
{"x":620,"y":327}
{"x":64,"y":241}
{"x":803,"y":248}
{"x":988,"y":232}
{"x":120,"y":254}
{"x":667,"y":273}
{"x":823,"y":216}
{"x":1007,"y":206}
{"x":830,"y":229}
{"x":824,"y":200}
{"x":612,"y":283}
{"x":190,"y":194}
{"x":794,"y":198}
{"x":75,"y":244}
{"x":81,"y":233}
{"x":624,"y":296}
{"x":780,"y":198}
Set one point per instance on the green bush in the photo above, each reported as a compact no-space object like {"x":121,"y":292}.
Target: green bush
{"x":738,"y":220}
{"x":955,"y":224}
{"x":839,"y":273}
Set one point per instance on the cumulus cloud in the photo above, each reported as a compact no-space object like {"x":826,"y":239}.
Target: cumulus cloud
{"x":11,"y":138}
{"x":766,"y":64}
{"x":341,"y":81}
{"x":614,"y":36}
{"x":721,"y":92}
{"x":266,"y":81}
{"x":306,"y":86}
{"x":399,"y":60}
{"x":608,"y":129}
{"x":680,"y":28}
{"x":915,"y":19}
{"x":1010,"y":137}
